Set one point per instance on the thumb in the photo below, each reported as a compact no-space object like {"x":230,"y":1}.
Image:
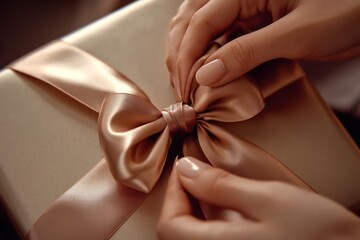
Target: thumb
{"x":244,"y":53}
{"x":220,"y":188}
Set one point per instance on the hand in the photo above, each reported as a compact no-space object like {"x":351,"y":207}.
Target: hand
{"x":271,"y":210}
{"x":294,"y":29}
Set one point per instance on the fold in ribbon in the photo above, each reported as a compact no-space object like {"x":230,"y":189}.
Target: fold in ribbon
{"x":136,"y":146}
{"x":135,"y":136}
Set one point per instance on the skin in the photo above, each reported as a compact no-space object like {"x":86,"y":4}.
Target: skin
{"x":270,"y":210}
{"x":294,"y":29}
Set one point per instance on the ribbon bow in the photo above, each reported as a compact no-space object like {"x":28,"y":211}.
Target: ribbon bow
{"x":135,"y":136}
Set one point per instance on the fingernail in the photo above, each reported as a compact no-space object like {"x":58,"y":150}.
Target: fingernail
{"x":187,"y":167}
{"x":211,"y":72}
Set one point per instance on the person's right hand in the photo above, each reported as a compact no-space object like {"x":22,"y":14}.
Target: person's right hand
{"x":294,"y":29}
{"x":269,"y":209}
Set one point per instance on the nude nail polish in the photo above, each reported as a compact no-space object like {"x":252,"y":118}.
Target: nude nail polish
{"x":187,"y":167}
{"x":211,"y":72}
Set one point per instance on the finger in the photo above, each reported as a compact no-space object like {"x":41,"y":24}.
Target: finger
{"x":246,"y":52}
{"x":220,"y":188}
{"x":212,"y":19}
{"x":176,"y":220}
{"x":178,"y":28}
{"x":176,"y":202}
{"x":187,"y":227}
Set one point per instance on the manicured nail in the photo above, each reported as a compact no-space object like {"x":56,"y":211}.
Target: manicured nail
{"x":187,"y":167}
{"x":211,"y":72}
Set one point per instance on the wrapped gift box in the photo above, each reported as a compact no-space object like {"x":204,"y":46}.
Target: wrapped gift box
{"x":48,"y":140}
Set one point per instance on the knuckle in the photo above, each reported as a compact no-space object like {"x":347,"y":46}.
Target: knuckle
{"x":199,"y":22}
{"x":178,"y":19}
{"x":170,"y":61}
{"x":243,"y":52}
{"x":171,"y":57}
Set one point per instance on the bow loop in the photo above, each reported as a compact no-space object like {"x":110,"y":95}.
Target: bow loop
{"x":239,"y":156}
{"x":135,"y":136}
{"x":236,"y":101}
{"x":135,"y":140}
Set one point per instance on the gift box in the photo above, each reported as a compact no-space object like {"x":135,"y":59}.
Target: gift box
{"x":49,"y":140}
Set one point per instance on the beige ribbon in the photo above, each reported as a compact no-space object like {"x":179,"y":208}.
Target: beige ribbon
{"x":135,"y":136}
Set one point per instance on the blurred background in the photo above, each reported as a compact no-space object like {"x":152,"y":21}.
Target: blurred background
{"x":28,"y":24}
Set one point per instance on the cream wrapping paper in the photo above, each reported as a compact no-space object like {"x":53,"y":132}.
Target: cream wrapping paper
{"x":35,"y":169}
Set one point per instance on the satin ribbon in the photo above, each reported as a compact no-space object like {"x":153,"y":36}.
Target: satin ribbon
{"x":136,"y":146}
{"x":135,"y":136}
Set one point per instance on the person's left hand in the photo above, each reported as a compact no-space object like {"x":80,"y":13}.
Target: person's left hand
{"x":270,"y":210}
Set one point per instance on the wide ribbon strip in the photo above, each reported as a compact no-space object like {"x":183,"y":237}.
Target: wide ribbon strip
{"x":136,"y":136}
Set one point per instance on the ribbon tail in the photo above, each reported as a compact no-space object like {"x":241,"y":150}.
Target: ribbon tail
{"x":76,"y":214}
{"x":75,"y":73}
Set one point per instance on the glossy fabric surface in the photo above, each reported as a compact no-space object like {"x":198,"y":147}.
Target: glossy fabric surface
{"x":136,"y":146}
{"x":136,"y":136}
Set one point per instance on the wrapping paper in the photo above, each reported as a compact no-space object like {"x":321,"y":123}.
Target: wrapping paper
{"x":36,"y":169}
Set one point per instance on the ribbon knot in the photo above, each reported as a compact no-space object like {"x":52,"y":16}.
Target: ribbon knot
{"x":136,"y":136}
{"x":180,"y":119}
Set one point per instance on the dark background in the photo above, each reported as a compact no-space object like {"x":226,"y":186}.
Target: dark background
{"x":28,"y":24}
